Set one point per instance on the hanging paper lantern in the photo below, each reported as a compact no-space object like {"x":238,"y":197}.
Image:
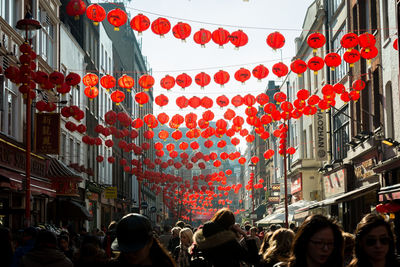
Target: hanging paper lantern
{"x":280,"y":69}
{"x":316,"y":40}
{"x":366,"y":40}
{"x":194,"y":102}
{"x":221,"y":77}
{"x":117,"y":18}
{"x":333,"y":60}
{"x":63,"y":89}
{"x":146,"y":82}
{"x":161,"y":26}
{"x":351,"y":57}
{"x":237,"y":101}
{"x":117,"y":97}
{"x":73,"y":79}
{"x":183,"y":80}
{"x":182,"y":102}
{"x":220,"y":36}
{"x":194,"y":145}
{"x":208,"y":115}
{"x":242,"y":75}
{"x":90,"y":79}
{"x":57,"y":78}
{"x":163,"y":134}
{"x":181,"y":31}
{"x":242,"y":160}
{"x":354,"y":95}
{"x":41,"y":106}
{"x":396,"y":44}
{"x":76,"y":8}
{"x":255,"y":159}
{"x":238,"y":38}
{"x":91,"y":92}
{"x":177,"y":135}
{"x":260,"y":72}
{"x":298,"y":66}
{"x":126,"y":82}
{"x":202,"y":79}
{"x":163,"y":118}
{"x":141,"y":98}
{"x":96,"y":13}
{"x":303,"y":94}
{"x":202,"y":37}
{"x":110,"y":117}
{"x":161,"y":100}
{"x":349,"y":40}
{"x":262,"y":99}
{"x":249,"y":100}
{"x":358,"y":85}
{"x":108,"y":82}
{"x":315,"y":63}
{"x":235,"y":141}
{"x":276,"y":40}
{"x":229,"y":114}
{"x":222,"y":101}
{"x":140,"y":23}
{"x":280,"y":97}
{"x":369,"y":53}
{"x":327,"y":89}
{"x":167,"y":82}
{"x":339,"y":88}
{"x":206,"y":102}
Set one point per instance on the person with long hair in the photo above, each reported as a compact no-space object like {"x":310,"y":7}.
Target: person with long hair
{"x":265,"y":243}
{"x":136,"y":244}
{"x":374,"y":243}
{"x":217,"y":241}
{"x":181,"y":253}
{"x":280,"y":244}
{"x":317,"y":243}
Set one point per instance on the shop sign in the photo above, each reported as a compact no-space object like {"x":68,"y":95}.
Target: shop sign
{"x":92,"y":196}
{"x":334,"y":183}
{"x":296,"y":184}
{"x":66,"y":187}
{"x":276,"y":188}
{"x":47,"y":133}
{"x":110,"y":192}
{"x":273,"y":200}
{"x":364,"y":169}
{"x":320,"y":136}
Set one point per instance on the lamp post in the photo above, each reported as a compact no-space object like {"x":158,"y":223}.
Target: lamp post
{"x":28,"y":24}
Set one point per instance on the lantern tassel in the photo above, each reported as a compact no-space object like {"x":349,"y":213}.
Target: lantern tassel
{"x":116,"y":29}
{"x":95,"y":23}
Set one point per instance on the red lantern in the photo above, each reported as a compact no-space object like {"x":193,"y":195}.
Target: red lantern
{"x":349,"y":40}
{"x":108,"y":82}
{"x":303,"y":94}
{"x":255,"y":159}
{"x":238,"y":38}
{"x":366,"y":40}
{"x":354,"y":95}
{"x":161,"y":100}
{"x":280,"y":97}
{"x":369,"y":53}
{"x":69,"y":125}
{"x":194,"y":145}
{"x":242,"y":160}
{"x":72,"y":79}
{"x":137,"y":123}
{"x":163,"y":118}
{"x":396,"y":44}
{"x":117,"y":18}
{"x":76,"y":8}
{"x":280,"y":69}
{"x":146,"y":82}
{"x":316,"y":40}
{"x":41,"y":106}
{"x":167,"y":82}
{"x":235,"y":141}
{"x":237,"y":101}
{"x":64,"y":88}
{"x":117,"y":97}
{"x":327,"y":89}
{"x":57,"y":78}
{"x":249,"y":100}
{"x":177,"y":135}
{"x":229,"y":114}
{"x":183,"y":80}
{"x":220,"y":37}
{"x":333,"y":60}
{"x":182,"y":102}
{"x":206,"y":102}
{"x":202,"y":79}
{"x":242,"y":75}
{"x":260,"y":72}
{"x":262,"y":99}
{"x":126,"y":82}
{"x":141,"y":98}
{"x":161,"y":26}
{"x":96,"y":13}
{"x":91,"y":92}
{"x":339,"y":88}
{"x":351,"y":57}
{"x":181,"y":31}
{"x":208,"y":115}
{"x":202,"y":37}
{"x":90,"y":79}
{"x":315,"y":63}
{"x":140,"y":23}
{"x":222,"y":101}
{"x":298,"y":66}
{"x":358,"y":85}
{"x":221,"y":77}
{"x":276,"y":40}
{"x":194,"y":102}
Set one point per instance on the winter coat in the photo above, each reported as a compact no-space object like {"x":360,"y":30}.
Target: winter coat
{"x":221,"y":248}
{"x":41,"y":257}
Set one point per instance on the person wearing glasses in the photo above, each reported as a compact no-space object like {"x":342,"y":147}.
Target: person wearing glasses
{"x":374,"y":243}
{"x":317,"y":243}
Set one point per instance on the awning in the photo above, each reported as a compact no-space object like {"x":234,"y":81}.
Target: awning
{"x":389,"y":192}
{"x":68,"y":209}
{"x":389,"y":164}
{"x":57,"y":169}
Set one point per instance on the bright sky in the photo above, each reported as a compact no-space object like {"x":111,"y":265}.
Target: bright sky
{"x":257,"y":18}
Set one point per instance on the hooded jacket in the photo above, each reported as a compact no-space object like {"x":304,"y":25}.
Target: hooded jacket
{"x":221,"y":248}
{"x":43,"y":256}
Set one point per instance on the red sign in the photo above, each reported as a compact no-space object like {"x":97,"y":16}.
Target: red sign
{"x":334,"y":183}
{"x":296,"y":184}
{"x":47,"y":133}
{"x":66,"y":187}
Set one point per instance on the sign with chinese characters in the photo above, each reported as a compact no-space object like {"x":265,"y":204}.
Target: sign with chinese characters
{"x":276,"y":188}
{"x":363,"y":169}
{"x":335,"y":183}
{"x":274,"y":200}
{"x":320,"y":136}
{"x":296,"y":183}
{"x":47,"y":133}
{"x":110,"y":192}
{"x":66,"y":187}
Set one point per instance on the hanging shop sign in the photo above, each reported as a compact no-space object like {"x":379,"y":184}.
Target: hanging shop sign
{"x":47,"y":133}
{"x":274,"y":200}
{"x":364,"y":169}
{"x":276,"y":188}
{"x":335,"y":183}
{"x":110,"y":192}
{"x":66,"y":187}
{"x":296,"y":184}
{"x":320,"y":136}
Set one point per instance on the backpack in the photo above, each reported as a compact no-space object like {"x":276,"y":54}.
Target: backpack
{"x":197,"y":259}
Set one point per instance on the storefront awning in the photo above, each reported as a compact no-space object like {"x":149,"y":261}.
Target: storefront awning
{"x":57,"y":169}
{"x":388,"y":193}
{"x":68,"y":209}
{"x":389,"y":164}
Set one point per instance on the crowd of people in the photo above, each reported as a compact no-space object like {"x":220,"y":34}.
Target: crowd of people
{"x":318,"y":242}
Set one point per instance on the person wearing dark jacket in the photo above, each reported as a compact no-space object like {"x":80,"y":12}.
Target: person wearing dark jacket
{"x":217,"y":241}
{"x":45,"y":253}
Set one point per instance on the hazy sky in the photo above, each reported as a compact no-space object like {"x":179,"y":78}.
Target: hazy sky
{"x":257,"y":18}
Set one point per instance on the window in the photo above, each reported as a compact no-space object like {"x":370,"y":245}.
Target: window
{"x":335,"y":6}
{"x":342,"y":69}
{"x":11,"y":113}
{"x":78,"y":153}
{"x":311,"y":141}
{"x":385,"y":7}
{"x":102,"y":56}
{"x":106,"y":59}
{"x":63,"y":145}
{"x":46,"y":38}
{"x":309,"y":81}
{"x":389,"y":111}
{"x":305,"y":152}
{"x":341,"y":133}
{"x":71,"y":150}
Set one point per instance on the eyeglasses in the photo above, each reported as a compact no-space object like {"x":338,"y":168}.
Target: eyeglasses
{"x":372,"y":241}
{"x":322,"y":244}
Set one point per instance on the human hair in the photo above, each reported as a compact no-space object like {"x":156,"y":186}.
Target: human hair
{"x":175,"y":230}
{"x":187,"y":232}
{"x":349,"y":240}
{"x":112,"y":226}
{"x":280,"y":244}
{"x":366,"y":225}
{"x":224,"y":217}
{"x":180,"y":224}
{"x":265,"y":243}
{"x":310,"y":226}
